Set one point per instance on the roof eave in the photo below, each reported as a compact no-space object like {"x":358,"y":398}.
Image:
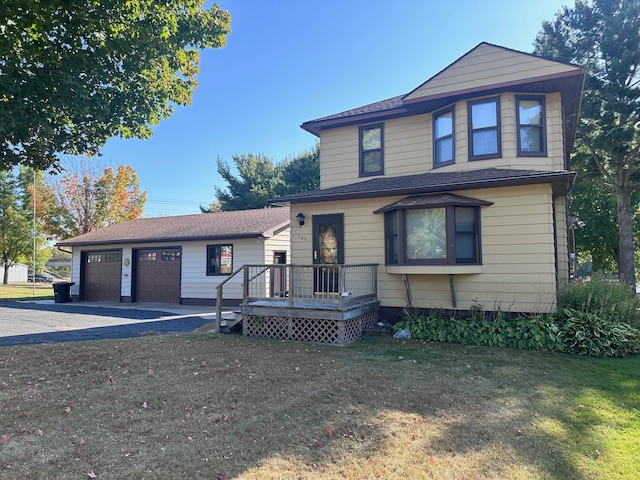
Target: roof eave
{"x":122,"y":241}
{"x":569,"y":83}
{"x":316,"y":126}
{"x":562,"y":184}
{"x":273,"y":231}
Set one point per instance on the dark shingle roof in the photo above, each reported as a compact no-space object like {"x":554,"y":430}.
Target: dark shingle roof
{"x":203,"y":226}
{"x":381,"y":106}
{"x":433,"y":183}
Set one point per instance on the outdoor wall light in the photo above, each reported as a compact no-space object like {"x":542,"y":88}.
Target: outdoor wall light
{"x":300,"y":218}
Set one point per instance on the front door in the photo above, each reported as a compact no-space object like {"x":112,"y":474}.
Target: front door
{"x":328,"y":250}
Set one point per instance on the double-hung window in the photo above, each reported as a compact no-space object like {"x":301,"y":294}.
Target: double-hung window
{"x":484,"y":129}
{"x":371,"y":150}
{"x":443,"y":138}
{"x":219,"y":260}
{"x":531,"y":127}
{"x":433,"y":230}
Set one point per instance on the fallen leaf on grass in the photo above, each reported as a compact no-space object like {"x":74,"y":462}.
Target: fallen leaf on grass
{"x":331,"y":431}
{"x":90,"y":474}
{"x":4,"y":439}
{"x":220,"y":476}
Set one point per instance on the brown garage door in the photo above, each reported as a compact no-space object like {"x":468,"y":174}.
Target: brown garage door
{"x":158,"y":275}
{"x":102,"y":276}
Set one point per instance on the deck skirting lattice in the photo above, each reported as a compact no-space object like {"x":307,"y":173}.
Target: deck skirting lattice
{"x":318,"y":330}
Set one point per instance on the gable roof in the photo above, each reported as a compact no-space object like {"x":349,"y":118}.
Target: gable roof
{"x":426,"y":183}
{"x":489,"y":66}
{"x":486,"y":69}
{"x":263,"y":222}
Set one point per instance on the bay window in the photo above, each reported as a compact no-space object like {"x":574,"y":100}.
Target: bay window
{"x":441,"y":229}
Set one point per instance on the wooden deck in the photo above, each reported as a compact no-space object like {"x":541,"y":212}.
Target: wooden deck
{"x":294,"y":309}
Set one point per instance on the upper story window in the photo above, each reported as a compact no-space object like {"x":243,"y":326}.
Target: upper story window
{"x":443,"y":139}
{"x":484,"y":129}
{"x":531,"y":126}
{"x":371,"y":150}
{"x":219,"y":260}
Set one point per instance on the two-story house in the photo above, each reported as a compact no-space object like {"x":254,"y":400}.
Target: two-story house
{"x":457,"y":190}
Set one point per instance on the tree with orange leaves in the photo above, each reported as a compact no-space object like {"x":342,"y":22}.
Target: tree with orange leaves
{"x":85,"y":199}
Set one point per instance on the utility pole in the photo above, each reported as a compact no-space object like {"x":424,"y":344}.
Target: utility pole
{"x":33,"y":283}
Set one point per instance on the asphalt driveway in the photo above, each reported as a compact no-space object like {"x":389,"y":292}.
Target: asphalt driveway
{"x":29,"y":323}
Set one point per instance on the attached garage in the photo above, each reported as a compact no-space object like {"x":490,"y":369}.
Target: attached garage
{"x":157,"y":275}
{"x":179,"y":260}
{"x":101,"y":272}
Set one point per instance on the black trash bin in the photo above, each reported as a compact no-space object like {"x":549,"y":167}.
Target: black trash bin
{"x":62,"y":291}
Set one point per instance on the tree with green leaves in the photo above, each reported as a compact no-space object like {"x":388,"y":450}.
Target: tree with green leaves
{"x":260,"y":180}
{"x":252,"y":188}
{"x":603,"y":36}
{"x":74,"y":74}
{"x":17,"y":234}
{"x":594,"y":207}
{"x":16,"y":239}
{"x":300,"y":173}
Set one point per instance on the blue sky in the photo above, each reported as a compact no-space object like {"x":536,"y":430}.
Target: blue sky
{"x":290,"y":61}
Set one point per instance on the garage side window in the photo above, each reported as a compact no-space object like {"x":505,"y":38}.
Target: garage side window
{"x":219,"y":259}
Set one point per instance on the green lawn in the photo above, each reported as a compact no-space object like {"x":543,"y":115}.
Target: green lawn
{"x":26,"y":291}
{"x":222,"y":407}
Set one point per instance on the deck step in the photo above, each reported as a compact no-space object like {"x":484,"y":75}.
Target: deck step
{"x":230,"y":321}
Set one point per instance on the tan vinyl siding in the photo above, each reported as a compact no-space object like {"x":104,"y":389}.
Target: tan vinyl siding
{"x":408,"y":145}
{"x":485,"y":66}
{"x":518,"y":272}
{"x":555,"y":137}
{"x":562,"y":239}
{"x":339,"y":156}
